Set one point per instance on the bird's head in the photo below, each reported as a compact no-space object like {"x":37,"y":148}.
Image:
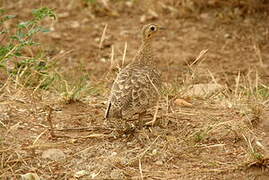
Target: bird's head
{"x":149,"y":31}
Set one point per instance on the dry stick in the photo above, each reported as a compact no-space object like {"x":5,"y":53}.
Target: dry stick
{"x":38,"y":137}
{"x":237,"y":80}
{"x":199,"y":57}
{"x":20,"y":158}
{"x":144,"y":152}
{"x":212,"y":76}
{"x":102,"y":37}
{"x":259,"y":55}
{"x":37,"y":87}
{"x":157,"y":105}
{"x":5,"y":85}
{"x":140,"y":169}
{"x":167,"y":104}
{"x":1,"y":123}
{"x":111,"y":61}
{"x":50,"y":122}
{"x":112,"y":57}
{"x":248,"y":143}
{"x":61,"y":55}
{"x":124,"y":54}
{"x":257,"y":81}
{"x":91,"y":128}
{"x":155,"y":113}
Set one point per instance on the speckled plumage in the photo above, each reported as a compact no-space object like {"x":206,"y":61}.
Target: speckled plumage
{"x":137,"y":86}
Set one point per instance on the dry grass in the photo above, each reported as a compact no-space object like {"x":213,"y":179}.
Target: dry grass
{"x":182,"y":139}
{"x":219,"y":136}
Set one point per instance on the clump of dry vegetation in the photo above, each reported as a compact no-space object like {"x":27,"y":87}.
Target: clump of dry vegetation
{"x":211,"y":122}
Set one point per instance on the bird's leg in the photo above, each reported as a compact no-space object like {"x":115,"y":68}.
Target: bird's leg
{"x":140,"y":119}
{"x":155,"y":114}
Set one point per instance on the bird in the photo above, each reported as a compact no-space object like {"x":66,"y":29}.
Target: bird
{"x":137,"y":85}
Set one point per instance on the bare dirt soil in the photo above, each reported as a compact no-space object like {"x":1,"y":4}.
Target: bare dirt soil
{"x":223,"y":135}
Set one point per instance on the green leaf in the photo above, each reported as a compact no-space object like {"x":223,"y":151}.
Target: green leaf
{"x":43,"y":12}
{"x":2,"y":11}
{"x":3,"y":32}
{"x":33,"y":31}
{"x":6,"y":18}
{"x":9,"y":17}
{"x":17,"y":54}
{"x":42,"y":29}
{"x":24,"y":25}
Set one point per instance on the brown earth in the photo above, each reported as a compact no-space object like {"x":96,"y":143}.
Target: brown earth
{"x":215,"y":138}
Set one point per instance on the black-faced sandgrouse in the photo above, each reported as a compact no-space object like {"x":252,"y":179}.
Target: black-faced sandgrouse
{"x":137,"y":86}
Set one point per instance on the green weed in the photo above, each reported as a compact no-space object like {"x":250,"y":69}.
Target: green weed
{"x":29,"y":71}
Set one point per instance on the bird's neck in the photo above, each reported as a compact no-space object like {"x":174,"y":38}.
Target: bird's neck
{"x":145,"y":54}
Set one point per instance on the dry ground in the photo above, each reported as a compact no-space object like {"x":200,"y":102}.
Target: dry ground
{"x":221,"y":136}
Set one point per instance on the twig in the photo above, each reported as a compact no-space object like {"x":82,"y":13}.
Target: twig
{"x":38,"y":137}
{"x":111,"y":57}
{"x":156,"y":89}
{"x":1,"y":123}
{"x":144,"y":152}
{"x":140,"y":170}
{"x":157,"y":105}
{"x":50,"y":121}
{"x":203,"y":52}
{"x":124,"y":54}
{"x":80,"y":129}
{"x":155,"y":114}
{"x":103,"y":37}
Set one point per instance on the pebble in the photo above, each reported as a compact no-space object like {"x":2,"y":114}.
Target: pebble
{"x":53,"y":154}
{"x":30,"y":176}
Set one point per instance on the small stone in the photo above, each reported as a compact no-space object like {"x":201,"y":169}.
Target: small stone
{"x":97,"y":39}
{"x":159,"y":162}
{"x":227,"y":36}
{"x":202,"y":90}
{"x":74,"y":24}
{"x":153,"y":13}
{"x":182,"y":102}
{"x":81,"y":173}
{"x":129,"y":3}
{"x":103,"y":60}
{"x":55,"y":35}
{"x":30,"y":176}
{"x":143,"y":18}
{"x":53,"y":154}
{"x":204,"y":16}
{"x":63,"y":15}
{"x":154,"y":151}
{"x":116,"y":174}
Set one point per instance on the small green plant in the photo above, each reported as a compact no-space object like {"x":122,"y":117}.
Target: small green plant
{"x":31,"y":70}
{"x":202,"y":134}
{"x":199,"y":136}
{"x":70,"y":92}
{"x":263,"y":91}
{"x":257,"y":155}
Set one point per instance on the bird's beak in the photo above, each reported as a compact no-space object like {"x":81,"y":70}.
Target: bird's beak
{"x":162,"y":28}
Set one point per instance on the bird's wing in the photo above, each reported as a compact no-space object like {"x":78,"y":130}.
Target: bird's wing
{"x":133,"y":91}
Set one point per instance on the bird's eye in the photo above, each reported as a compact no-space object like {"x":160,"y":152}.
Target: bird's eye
{"x":152,"y":28}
